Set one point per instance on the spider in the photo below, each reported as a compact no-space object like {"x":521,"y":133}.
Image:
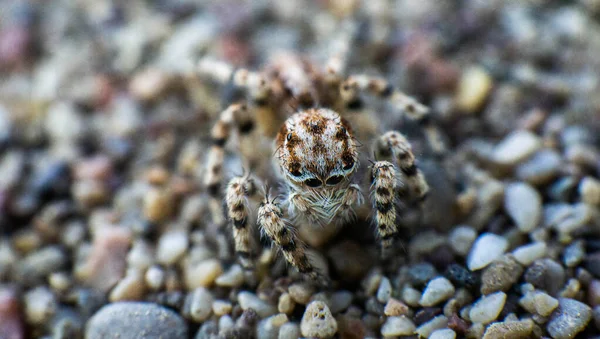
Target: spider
{"x":316,"y":155}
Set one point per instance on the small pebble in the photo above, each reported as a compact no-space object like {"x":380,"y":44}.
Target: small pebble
{"x":473,"y":88}
{"x":443,"y":334}
{"x":436,"y":323}
{"x":461,"y":239}
{"x":593,"y":298}
{"x":510,"y":329}
{"x":589,"y":190}
{"x":301,"y":292}
{"x":37,"y":265}
{"x":155,"y":278}
{"x":487,"y":248}
{"x":438,"y":290}
{"x":233,"y":277}
{"x":529,"y":253}
{"x":200,"y":304}
{"x":487,"y":308}
{"x":289,"y":331}
{"x":546,"y":274}
{"x":269,"y":328}
{"x":461,"y":277}
{"x":397,"y":326}
{"x":524,"y":205}
{"x":592,"y":264}
{"x":286,"y":304}
{"x":574,"y":254}
{"x":516,"y":147}
{"x":384,"y":292}
{"x":249,"y":300}
{"x":395,"y":307}
{"x":570,"y":318}
{"x":317,"y":321}
{"x":420,"y":274}
{"x":171,"y":247}
{"x":538,"y":302}
{"x":410,"y":295}
{"x":500,"y":275}
{"x":40,"y":305}
{"x":129,"y":319}
{"x":541,"y":168}
{"x":340,"y":301}
{"x":221,"y":307}
{"x":202,"y":274}
{"x":131,"y":287}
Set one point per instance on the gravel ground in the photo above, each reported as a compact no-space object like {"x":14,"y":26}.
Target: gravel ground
{"x":107,"y":230}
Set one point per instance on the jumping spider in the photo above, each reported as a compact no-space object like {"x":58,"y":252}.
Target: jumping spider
{"x":317,"y":156}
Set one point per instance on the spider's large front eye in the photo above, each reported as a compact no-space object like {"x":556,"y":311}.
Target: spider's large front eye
{"x":348,"y":165}
{"x":334,"y":180}
{"x":312,"y":182}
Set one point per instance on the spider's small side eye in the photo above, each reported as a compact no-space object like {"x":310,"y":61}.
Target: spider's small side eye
{"x":296,"y":173}
{"x":289,"y":136}
{"x":313,"y":182}
{"x":348,"y":165}
{"x":334,"y":180}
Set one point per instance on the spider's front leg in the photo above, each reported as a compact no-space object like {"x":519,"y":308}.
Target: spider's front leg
{"x":273,"y":223}
{"x":238,"y":192}
{"x":384,"y":185}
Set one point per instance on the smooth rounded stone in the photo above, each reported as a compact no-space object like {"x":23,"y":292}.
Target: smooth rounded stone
{"x":541,"y":168}
{"x":538,"y":302}
{"x":37,"y":265}
{"x":410,"y":295}
{"x":221,"y":307}
{"x":589,"y":190}
{"x":570,"y":318}
{"x":500,"y":275}
{"x":40,"y":305}
{"x":131,"y":287}
{"x":444,"y":333}
{"x":129,"y":319}
{"x":487,"y":248}
{"x":529,"y":253}
{"x":249,"y":300}
{"x":384,"y":292}
{"x":289,"y":331}
{"x":524,"y":205}
{"x":63,"y":114}
{"x":420,"y":274}
{"x":318,"y":321}
{"x":286,"y":304}
{"x":141,"y":255}
{"x":171,"y":246}
{"x":397,"y":326}
{"x":438,"y":290}
{"x":461,"y":277}
{"x":593,"y":293}
{"x":546,"y":274}
{"x":157,"y":205}
{"x":510,"y":329}
{"x":576,"y":217}
{"x":395,"y":307}
{"x":592,"y":264}
{"x":233,"y":277}
{"x":487,"y":308}
{"x":516,"y":147}
{"x":597,"y":316}
{"x":340,"y":301}
{"x":574,"y":254}
{"x":425,"y":330}
{"x":301,"y":292}
{"x":199,"y":304}
{"x":155,"y":278}
{"x":269,"y":327}
{"x":202,"y":274}
{"x":226,"y":324}
{"x":461,"y":239}
{"x":474,"y":87}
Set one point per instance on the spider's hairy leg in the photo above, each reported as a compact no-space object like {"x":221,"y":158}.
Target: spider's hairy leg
{"x":272,"y":222}
{"x":383,"y":196}
{"x":394,"y":145}
{"x":404,"y":103}
{"x":238,"y":191}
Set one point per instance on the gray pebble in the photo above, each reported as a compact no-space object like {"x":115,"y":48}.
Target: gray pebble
{"x":129,"y":319}
{"x":570,"y":318}
{"x":574,"y":254}
{"x":461,"y":239}
{"x":500,"y":275}
{"x":541,"y":168}
{"x":524,"y":205}
{"x":546,"y":274}
{"x":384,"y":292}
{"x":420,"y":274}
{"x":516,"y":147}
{"x":249,"y":300}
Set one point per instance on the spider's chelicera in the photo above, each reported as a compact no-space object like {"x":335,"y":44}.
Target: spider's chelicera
{"x":316,"y":155}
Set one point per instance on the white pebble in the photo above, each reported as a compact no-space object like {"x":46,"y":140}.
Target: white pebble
{"x":411,"y":296}
{"x":487,"y":248}
{"x":318,"y":321}
{"x":202,"y":274}
{"x":473,"y":88}
{"x":589,"y":190}
{"x":487,"y":308}
{"x":155,"y":277}
{"x":40,"y":305}
{"x":425,"y":330}
{"x":289,"y":331}
{"x":201,"y":304}
{"x":529,"y":253}
{"x":515,"y":147}
{"x":384,"y":292}
{"x":249,"y":300}
{"x":524,"y":205}
{"x":397,"y":326}
{"x":445,"y":333}
{"x":221,"y":307}
{"x":234,"y":277}
{"x":437,"y":290}
{"x":171,"y":247}
{"x":461,"y":239}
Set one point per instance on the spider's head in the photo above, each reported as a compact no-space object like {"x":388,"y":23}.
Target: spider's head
{"x":315,"y":149}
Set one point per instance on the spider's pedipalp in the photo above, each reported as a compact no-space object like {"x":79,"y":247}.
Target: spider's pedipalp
{"x":237,"y":193}
{"x":383,"y":196}
{"x":272,"y":222}
{"x":394,"y":145}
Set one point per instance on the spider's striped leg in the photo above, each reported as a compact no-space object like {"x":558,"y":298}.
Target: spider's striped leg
{"x":237,"y":195}
{"x":384,"y":185}
{"x":273,"y":223}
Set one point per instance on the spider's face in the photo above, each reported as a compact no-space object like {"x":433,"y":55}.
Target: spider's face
{"x":315,"y":149}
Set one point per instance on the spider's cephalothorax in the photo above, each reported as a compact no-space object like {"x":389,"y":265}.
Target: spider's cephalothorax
{"x":316,"y":156}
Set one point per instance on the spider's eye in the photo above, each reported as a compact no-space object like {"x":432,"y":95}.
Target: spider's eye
{"x":348,"y":165}
{"x":334,"y":180}
{"x":313,"y":182}
{"x":296,"y":173}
